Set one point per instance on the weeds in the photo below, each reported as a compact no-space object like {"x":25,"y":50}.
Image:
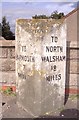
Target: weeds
{"x":8,"y":91}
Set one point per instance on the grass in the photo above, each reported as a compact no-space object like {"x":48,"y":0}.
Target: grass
{"x":74,"y":97}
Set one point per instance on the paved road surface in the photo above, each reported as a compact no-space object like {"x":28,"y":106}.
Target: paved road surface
{"x":10,"y":109}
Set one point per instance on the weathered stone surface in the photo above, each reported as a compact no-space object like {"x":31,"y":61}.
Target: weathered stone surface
{"x":74,"y":54}
{"x":7,"y":52}
{"x":7,"y":65}
{"x":40,"y":76}
{"x":3,"y":53}
{"x":11,"y":52}
{"x":74,"y":65}
{"x":74,"y":79}
{"x":8,"y":78}
{"x":7,"y":43}
{"x":7,"y":62}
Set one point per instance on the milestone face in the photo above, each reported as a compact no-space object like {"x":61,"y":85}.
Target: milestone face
{"x":41,"y":65}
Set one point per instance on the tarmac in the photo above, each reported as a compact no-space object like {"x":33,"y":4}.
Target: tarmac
{"x":10,"y":109}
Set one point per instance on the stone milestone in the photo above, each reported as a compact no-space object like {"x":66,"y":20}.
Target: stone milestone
{"x":41,"y":65}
